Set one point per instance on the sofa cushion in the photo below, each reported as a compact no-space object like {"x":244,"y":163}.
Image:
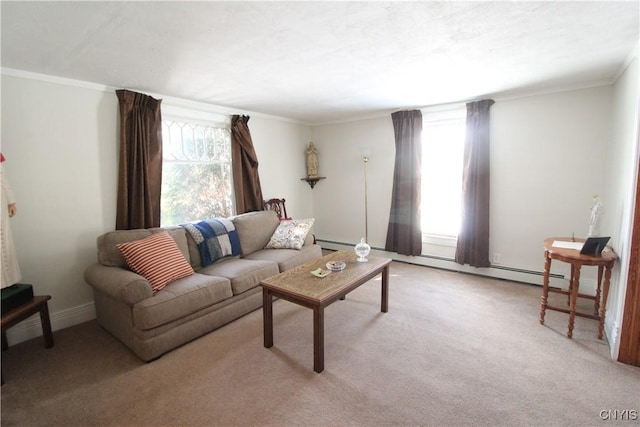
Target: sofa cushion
{"x":288,"y":258}
{"x":179,"y":299}
{"x":255,"y":229}
{"x":290,"y":234}
{"x":157,"y":258}
{"x":244,"y":274}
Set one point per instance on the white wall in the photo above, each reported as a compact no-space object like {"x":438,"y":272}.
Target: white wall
{"x":339,"y":199}
{"x":60,"y":138}
{"x":547,"y":162}
{"x":60,"y":143}
{"x":280,"y":146}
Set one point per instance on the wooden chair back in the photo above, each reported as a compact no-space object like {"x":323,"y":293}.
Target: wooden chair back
{"x":278,"y":206}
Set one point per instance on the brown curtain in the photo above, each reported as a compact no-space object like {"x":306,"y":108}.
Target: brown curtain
{"x":404,"y":234}
{"x":140,"y":171}
{"x":473,"y":240}
{"x":246,"y":180}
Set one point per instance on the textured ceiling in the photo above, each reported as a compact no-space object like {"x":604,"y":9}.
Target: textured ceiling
{"x":322,"y":61}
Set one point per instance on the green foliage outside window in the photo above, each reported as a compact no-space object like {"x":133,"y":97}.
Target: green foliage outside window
{"x":196,"y":172}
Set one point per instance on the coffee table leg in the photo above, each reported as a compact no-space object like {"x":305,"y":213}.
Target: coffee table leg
{"x":318,"y":339}
{"x":384,"y":305}
{"x":267,"y":317}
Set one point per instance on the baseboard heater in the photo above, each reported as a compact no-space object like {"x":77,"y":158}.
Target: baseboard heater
{"x":509,"y":273}
{"x":521,"y":270}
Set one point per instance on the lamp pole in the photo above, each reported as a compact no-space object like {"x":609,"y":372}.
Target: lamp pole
{"x":365,"y":160}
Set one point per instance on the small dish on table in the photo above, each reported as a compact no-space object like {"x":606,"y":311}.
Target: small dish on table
{"x":336,"y":265}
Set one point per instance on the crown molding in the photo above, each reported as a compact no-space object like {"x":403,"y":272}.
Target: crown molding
{"x":167,"y":100}
{"x":218,"y":109}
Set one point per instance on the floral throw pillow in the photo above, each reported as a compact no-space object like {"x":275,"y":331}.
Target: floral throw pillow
{"x":290,"y":234}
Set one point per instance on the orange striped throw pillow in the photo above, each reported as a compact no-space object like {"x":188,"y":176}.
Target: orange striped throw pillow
{"x":157,"y":258}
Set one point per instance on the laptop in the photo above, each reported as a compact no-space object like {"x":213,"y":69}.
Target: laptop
{"x":594,"y":245}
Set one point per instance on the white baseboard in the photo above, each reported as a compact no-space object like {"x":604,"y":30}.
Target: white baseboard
{"x":497,"y":271}
{"x":32,"y":328}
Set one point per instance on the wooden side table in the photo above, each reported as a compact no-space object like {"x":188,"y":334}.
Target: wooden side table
{"x":18,"y":314}
{"x":604,"y":261}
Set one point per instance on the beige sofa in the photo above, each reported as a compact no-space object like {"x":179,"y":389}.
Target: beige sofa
{"x":153,"y":324}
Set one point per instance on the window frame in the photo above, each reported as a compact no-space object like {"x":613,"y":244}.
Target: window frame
{"x":171,"y":113}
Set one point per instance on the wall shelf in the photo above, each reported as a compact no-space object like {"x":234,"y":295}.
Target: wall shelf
{"x":312,"y":181}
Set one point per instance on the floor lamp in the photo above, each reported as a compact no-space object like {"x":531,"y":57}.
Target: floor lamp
{"x":363,"y":249}
{"x":366,"y":153}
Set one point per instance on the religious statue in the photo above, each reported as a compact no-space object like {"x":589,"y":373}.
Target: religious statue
{"x":596,"y":215}
{"x":312,"y":161}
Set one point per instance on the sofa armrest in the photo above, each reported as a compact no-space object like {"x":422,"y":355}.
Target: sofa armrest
{"x":118,"y":283}
{"x":309,"y":240}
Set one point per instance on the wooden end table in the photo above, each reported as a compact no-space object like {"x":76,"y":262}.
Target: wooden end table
{"x":299,"y":286}
{"x":604,"y":261}
{"x":20,"y":313}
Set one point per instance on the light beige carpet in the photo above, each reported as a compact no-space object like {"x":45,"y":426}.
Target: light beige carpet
{"x":453,"y":350}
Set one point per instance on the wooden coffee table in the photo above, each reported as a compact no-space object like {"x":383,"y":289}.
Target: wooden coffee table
{"x":299,"y":286}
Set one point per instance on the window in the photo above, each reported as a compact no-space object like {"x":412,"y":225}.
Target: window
{"x":443,"y":134}
{"x":196,"y":171}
